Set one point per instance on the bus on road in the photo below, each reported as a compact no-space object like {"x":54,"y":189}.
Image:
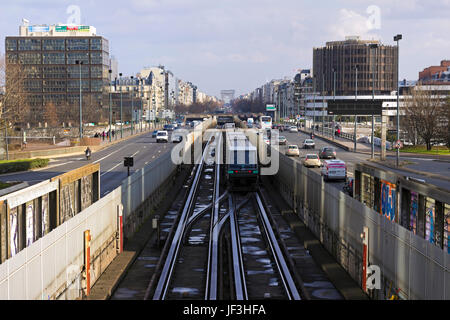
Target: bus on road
{"x":265,"y":122}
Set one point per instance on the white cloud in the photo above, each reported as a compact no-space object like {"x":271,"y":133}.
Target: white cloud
{"x":351,"y":23}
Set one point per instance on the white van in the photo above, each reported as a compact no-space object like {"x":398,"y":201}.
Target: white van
{"x":162,"y":136}
{"x":334,"y":170}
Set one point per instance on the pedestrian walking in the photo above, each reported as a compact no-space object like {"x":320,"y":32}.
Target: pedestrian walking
{"x":113,"y":133}
{"x":103,"y":135}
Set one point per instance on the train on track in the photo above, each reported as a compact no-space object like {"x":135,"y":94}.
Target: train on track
{"x":241,"y":162}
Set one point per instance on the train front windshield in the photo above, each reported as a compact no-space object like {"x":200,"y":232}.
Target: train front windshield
{"x":243,"y":159}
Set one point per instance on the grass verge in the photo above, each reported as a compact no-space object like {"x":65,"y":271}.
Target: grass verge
{"x":423,"y":150}
{"x":7,"y":166}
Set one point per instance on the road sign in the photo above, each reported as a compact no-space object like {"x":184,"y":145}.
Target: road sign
{"x":128,"y":162}
{"x":398,"y":145}
{"x":271,"y":107}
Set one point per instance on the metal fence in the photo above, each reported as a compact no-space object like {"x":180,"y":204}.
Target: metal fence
{"x":410,"y":265}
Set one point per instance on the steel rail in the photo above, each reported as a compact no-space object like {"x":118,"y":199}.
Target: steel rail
{"x":213,"y":250}
{"x":285,"y":274}
{"x":240,"y":286}
{"x":166,"y":274}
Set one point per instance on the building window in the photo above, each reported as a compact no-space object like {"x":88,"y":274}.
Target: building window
{"x":32,"y":72}
{"x":56,"y":99}
{"x":105,"y":45}
{"x":11,"y":44}
{"x":29,"y":44}
{"x":77,"y":44}
{"x":54,"y":72}
{"x":96,"y":57}
{"x":96,"y":44}
{"x":32,"y":85}
{"x":96,"y":85}
{"x":30,"y":58}
{"x":54,"y":85}
{"x":53,"y":58}
{"x":74,"y":85}
{"x":96,"y":72}
{"x":11,"y":58}
{"x":73,"y":72}
{"x":53,"y":44}
{"x":74,"y":56}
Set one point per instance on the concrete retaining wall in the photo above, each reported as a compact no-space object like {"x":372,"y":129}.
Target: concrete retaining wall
{"x":411,"y":266}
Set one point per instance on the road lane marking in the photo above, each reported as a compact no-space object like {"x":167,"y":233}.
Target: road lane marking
{"x":109,"y":154}
{"x":111,"y":169}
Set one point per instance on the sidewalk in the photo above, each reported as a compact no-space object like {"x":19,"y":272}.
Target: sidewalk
{"x":366,"y":148}
{"x":50,"y":151}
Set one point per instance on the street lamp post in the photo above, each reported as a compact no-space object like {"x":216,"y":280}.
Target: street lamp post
{"x":132,"y":103}
{"x":373,"y":46}
{"x":398,"y":38}
{"x":110,"y":104}
{"x":334,"y":98}
{"x":356,"y":99}
{"x":79,"y":62}
{"x":121,"y":111}
{"x":142,"y":105}
{"x":314,"y":103}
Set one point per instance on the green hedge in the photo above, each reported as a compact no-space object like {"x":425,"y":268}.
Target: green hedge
{"x":8,"y":166}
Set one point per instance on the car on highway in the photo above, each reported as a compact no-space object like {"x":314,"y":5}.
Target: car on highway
{"x":169,"y":127}
{"x":162,"y":136}
{"x":312,"y":160}
{"x":282,"y":140}
{"x":154,"y":133}
{"x":176,"y":138}
{"x":293,"y":151}
{"x":309,"y":144}
{"x":293,"y":129}
{"x":327,"y":153}
{"x":334,"y":170}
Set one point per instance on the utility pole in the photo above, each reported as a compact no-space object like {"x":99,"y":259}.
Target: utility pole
{"x":356,"y":100}
{"x":314,"y":104}
{"x":323,"y":104}
{"x":373,"y":46}
{"x":398,"y":38}
{"x":132,"y":105}
{"x":79,"y":62}
{"x":110,"y":105}
{"x":121,"y":111}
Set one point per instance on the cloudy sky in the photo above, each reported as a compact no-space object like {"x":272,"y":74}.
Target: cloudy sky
{"x":242,"y":44}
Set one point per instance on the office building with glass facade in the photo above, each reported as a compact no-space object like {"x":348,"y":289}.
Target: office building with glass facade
{"x":50,"y":71}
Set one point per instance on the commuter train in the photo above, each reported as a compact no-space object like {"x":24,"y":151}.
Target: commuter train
{"x":242,"y":170}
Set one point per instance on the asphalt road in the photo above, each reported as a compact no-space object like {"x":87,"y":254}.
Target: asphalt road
{"x":351,"y":158}
{"x":143,"y":148}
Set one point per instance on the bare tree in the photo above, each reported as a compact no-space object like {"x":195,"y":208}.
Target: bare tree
{"x":424,"y":112}
{"x":14,"y":101}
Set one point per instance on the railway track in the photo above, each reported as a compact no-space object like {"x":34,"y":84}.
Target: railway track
{"x":223,"y":245}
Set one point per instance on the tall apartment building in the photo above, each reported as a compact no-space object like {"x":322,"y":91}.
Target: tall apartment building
{"x":47,"y":56}
{"x":340,"y":59}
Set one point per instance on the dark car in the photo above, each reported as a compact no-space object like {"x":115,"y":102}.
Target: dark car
{"x":154,"y":133}
{"x":169,"y":127}
{"x":327,"y":153}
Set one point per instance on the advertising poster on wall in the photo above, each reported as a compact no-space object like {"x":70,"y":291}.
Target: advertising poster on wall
{"x":14,"y":239}
{"x":388,"y":200}
{"x":30,"y":223}
{"x":447,"y":228}
{"x":430,"y":217}
{"x":44,"y":215}
{"x":414,"y":209}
